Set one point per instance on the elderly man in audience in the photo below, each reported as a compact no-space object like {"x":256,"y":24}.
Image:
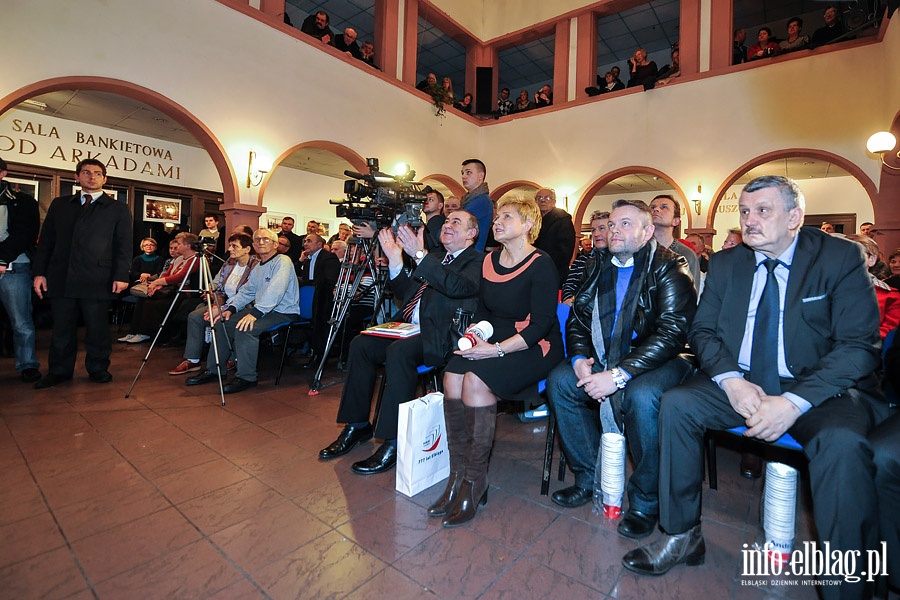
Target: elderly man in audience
{"x":316,"y":25}
{"x":543,"y":97}
{"x":271,"y":296}
{"x":795,"y":40}
{"x":451,"y":204}
{"x":367,"y":54}
{"x":832,"y":29}
{"x":441,"y":282}
{"x":666,"y":222}
{"x":734,"y":238}
{"x":428,"y":83}
{"x":786,"y":336}
{"x":628,"y":326}
{"x":347,"y":43}
{"x":557,"y":236}
{"x":599,"y":223}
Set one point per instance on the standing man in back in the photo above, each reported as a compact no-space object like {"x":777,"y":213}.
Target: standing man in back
{"x":82,"y":262}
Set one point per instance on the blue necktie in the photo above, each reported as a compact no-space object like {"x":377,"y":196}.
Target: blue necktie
{"x":764,"y":352}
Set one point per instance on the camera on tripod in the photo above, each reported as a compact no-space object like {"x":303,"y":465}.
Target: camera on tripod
{"x":382,"y":200}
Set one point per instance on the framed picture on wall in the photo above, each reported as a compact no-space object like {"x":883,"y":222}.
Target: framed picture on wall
{"x":273,"y":220}
{"x":26,"y":186}
{"x":162,"y":210}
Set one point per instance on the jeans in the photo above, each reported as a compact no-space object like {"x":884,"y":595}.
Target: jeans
{"x":579,"y":430}
{"x":245,"y":343}
{"x":15,"y":293}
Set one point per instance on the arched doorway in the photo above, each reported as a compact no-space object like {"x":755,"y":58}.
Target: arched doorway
{"x":836,"y":190}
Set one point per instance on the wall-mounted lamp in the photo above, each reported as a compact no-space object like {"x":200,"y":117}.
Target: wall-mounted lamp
{"x":697,"y":199}
{"x":881,"y":143}
{"x":254,"y":174}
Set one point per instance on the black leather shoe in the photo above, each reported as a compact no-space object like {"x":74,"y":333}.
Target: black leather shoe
{"x":383,"y":460}
{"x":636,"y":525}
{"x":572,"y":497}
{"x":668,"y":551}
{"x":237,"y":385}
{"x":751,"y":466}
{"x":347,"y":441}
{"x":30,"y":375}
{"x":100,"y":377}
{"x":49,"y":380}
{"x":204,"y":377}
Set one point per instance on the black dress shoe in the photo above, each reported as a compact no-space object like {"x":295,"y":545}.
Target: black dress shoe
{"x":49,"y":380}
{"x":383,"y":460}
{"x":572,"y":497}
{"x":204,"y":377}
{"x":349,"y":438}
{"x":666,"y":552}
{"x":30,"y":375}
{"x":751,"y":466}
{"x":636,"y":525}
{"x":238,"y":385}
{"x":100,"y":377}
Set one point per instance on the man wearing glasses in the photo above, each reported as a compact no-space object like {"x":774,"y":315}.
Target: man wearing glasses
{"x":557,"y":236}
{"x":274,"y":294}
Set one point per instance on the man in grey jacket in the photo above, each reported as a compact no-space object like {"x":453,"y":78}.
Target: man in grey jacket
{"x":271,"y":296}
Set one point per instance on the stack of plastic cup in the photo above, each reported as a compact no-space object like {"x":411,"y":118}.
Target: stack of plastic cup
{"x":780,"y":508}
{"x":612,"y":473}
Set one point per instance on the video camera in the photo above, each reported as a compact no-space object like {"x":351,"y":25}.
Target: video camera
{"x":381,"y":200}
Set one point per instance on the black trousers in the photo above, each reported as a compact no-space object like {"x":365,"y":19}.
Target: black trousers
{"x":886,"y":444}
{"x":64,"y":343}
{"x":833,"y":436}
{"x":400,"y":359}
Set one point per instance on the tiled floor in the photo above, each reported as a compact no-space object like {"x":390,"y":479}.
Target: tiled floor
{"x":167,"y":494}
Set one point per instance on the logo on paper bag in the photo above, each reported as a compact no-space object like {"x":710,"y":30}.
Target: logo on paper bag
{"x":432,"y":439}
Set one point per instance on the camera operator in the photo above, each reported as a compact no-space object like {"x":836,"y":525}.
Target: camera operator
{"x":442,"y":282}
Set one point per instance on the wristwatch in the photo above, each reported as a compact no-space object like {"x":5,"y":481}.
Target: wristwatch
{"x":419,"y":255}
{"x":619,"y":378}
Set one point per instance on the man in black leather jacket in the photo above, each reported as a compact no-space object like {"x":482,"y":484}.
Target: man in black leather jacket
{"x":628,"y":326}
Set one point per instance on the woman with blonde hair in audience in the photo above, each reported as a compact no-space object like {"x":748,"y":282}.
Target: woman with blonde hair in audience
{"x":447,"y":90}
{"x":525,"y":345}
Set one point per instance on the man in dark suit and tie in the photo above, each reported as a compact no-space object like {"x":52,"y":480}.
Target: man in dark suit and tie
{"x":319,"y":267}
{"x":82,"y":262}
{"x":786,"y":335}
{"x":441,"y":282}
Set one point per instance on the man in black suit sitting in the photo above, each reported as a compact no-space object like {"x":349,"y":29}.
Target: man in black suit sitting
{"x":441,"y":282}
{"x":319,"y":267}
{"x":786,"y":335}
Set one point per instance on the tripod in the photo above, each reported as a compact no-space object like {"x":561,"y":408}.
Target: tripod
{"x":360,"y":257}
{"x":207,"y":286}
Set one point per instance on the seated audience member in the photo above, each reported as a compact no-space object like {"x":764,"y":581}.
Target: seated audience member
{"x":147,"y":264}
{"x":666,"y":213}
{"x":543,"y":97}
{"x":585,"y":245}
{"x":794,"y":41}
{"x":343,"y":234}
{"x":888,"y":297}
{"x":885,"y":440}
{"x":630,"y":323}
{"x":271,"y":296}
{"x":464,"y":105}
{"x":557,"y":234}
{"x":827,"y":227}
{"x":347,"y":43}
{"x":893,"y":279}
{"x":504,"y":104}
{"x":213,"y":230}
{"x":316,"y":25}
{"x":867,"y":229}
{"x":149,"y":312}
{"x":231,"y":277}
{"x":643,"y":73}
{"x":739,"y":49}
{"x":616,"y":72}
{"x":296,"y":242}
{"x":700,"y":249}
{"x":433,"y":209}
{"x":832,"y":29}
{"x":599,"y":222}
{"x":339,"y":249}
{"x":320,"y":268}
{"x":441,"y":282}
{"x":670,"y":71}
{"x":451,"y":204}
{"x":523,"y":103}
{"x":367,"y":54}
{"x":821,"y":385}
{"x":428,"y":83}
{"x":764,"y":46}
{"x":611,"y":83}
{"x":526,"y":344}
{"x":284,"y":247}
{"x":734,"y":238}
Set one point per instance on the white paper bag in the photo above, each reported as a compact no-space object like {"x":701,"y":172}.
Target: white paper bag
{"x":422,"y":455}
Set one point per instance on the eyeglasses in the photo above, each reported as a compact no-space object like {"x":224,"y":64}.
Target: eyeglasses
{"x":541,"y":198}
{"x":262,"y":241}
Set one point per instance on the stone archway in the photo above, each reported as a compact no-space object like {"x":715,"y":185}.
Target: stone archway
{"x":498,"y":192}
{"x":596,"y":186}
{"x":452,"y":184}
{"x":355,"y":160}
{"x":230,"y":186}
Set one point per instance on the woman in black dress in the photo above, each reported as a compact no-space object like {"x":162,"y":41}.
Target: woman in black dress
{"x":519,"y":298}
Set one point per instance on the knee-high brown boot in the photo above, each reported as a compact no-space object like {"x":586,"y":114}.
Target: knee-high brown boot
{"x":480,"y":422}
{"x":457,"y":444}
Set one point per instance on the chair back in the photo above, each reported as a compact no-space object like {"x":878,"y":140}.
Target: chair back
{"x":307,"y":293}
{"x":562,"y":313}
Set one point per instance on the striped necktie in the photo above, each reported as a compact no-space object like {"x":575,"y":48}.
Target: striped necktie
{"x":410,"y":307}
